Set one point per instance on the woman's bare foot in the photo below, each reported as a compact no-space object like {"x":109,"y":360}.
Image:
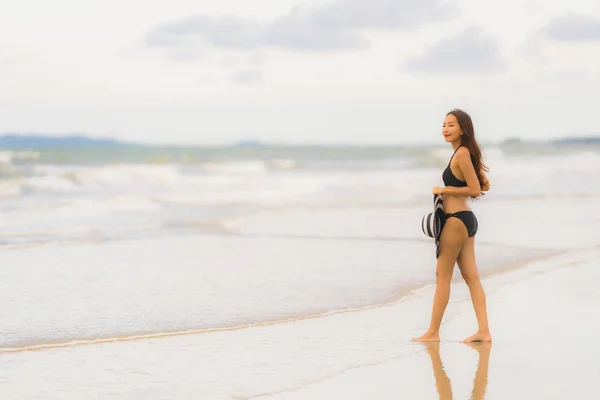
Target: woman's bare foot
{"x":479,"y":337}
{"x":481,"y":347}
{"x":428,"y":337}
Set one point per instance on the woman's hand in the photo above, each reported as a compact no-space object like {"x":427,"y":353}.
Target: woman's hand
{"x":438,"y":190}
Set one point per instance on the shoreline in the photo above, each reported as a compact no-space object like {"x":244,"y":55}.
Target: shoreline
{"x":403,"y":294}
{"x":354,"y":355}
{"x":415,"y":373}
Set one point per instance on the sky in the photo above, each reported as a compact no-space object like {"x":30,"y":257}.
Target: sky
{"x":299,"y":71}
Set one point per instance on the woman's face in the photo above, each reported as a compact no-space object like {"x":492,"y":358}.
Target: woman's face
{"x":451,"y":129}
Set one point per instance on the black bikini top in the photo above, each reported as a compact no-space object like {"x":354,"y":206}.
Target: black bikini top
{"x":448,"y":176}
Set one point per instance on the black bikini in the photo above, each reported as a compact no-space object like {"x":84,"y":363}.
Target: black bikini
{"x":467,"y":217}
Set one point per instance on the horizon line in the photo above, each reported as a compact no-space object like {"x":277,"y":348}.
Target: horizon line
{"x":248,"y":142}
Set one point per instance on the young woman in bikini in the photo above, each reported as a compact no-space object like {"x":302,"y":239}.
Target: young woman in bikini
{"x":464,"y":178}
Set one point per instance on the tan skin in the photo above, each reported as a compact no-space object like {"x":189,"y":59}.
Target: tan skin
{"x":455,"y":245}
{"x":442,"y":382}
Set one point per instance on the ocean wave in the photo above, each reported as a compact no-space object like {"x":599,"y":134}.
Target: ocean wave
{"x":236,"y":167}
{"x":7,"y":156}
{"x":42,"y":195}
{"x":285,"y":178}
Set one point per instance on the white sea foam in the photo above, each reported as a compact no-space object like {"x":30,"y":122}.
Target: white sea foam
{"x":236,"y":167}
{"x":7,"y":156}
{"x":126,"y":192}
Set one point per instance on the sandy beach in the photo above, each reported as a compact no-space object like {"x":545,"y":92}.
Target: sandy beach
{"x":545,"y":345}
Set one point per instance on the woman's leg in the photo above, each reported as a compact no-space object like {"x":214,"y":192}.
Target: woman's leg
{"x":481,"y":374}
{"x":442,"y":382}
{"x":453,"y":236}
{"x":468,"y":269}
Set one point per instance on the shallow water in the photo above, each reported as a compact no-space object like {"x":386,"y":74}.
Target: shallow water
{"x":287,"y":357}
{"x":62,"y":293}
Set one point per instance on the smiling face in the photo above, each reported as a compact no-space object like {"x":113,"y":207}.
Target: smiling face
{"x":451,"y":129}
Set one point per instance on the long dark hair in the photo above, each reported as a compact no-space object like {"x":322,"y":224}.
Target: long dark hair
{"x":468,"y":140}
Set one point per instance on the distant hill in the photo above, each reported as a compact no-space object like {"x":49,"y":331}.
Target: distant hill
{"x":575,"y":140}
{"x":37,"y":141}
{"x":249,"y":143}
{"x":578,"y":140}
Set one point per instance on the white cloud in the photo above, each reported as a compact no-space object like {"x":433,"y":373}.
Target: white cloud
{"x":574,"y":28}
{"x":471,"y":51}
{"x":331,"y":26}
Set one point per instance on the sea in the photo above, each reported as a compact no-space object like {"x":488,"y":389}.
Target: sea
{"x":108,"y":255}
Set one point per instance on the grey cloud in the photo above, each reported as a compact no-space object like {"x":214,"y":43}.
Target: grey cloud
{"x":222,"y":31}
{"x":471,"y":51}
{"x":248,"y":76}
{"x":574,"y":28}
{"x":330,"y":27}
{"x":382,"y":14}
{"x":304,"y":34}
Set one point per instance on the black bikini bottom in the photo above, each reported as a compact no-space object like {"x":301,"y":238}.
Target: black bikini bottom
{"x":468,"y":218}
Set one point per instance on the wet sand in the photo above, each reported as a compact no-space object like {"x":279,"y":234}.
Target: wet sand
{"x":543,"y":319}
{"x":545,"y":332}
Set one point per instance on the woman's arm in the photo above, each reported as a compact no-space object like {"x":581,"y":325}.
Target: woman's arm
{"x":486,"y":182}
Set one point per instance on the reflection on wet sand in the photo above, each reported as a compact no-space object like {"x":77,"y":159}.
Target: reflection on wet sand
{"x":442,"y":382}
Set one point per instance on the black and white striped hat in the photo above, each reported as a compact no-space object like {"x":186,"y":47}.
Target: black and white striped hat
{"x":431,"y":224}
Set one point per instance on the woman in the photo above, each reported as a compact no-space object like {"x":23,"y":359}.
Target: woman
{"x":464,"y":178}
